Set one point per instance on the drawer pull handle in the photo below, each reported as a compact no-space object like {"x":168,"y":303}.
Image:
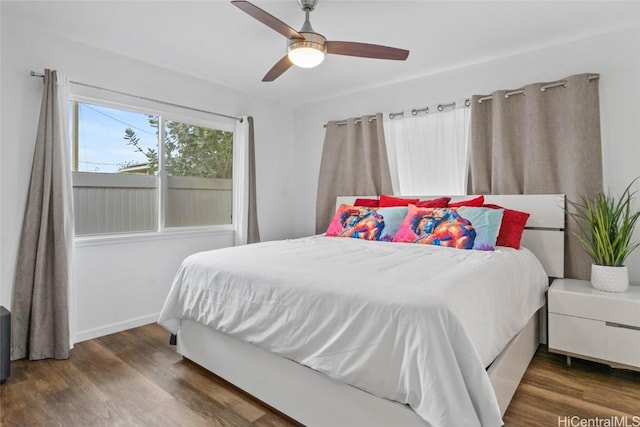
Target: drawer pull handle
{"x":618,"y":325}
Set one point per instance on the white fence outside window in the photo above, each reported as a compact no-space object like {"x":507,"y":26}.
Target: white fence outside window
{"x":127,"y":203}
{"x":198,"y":201}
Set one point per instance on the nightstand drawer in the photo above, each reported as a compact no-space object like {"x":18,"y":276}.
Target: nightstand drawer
{"x":577,"y":335}
{"x":593,"y":304}
{"x":623,"y":345}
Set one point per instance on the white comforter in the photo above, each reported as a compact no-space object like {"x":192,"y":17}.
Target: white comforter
{"x":416,"y":324}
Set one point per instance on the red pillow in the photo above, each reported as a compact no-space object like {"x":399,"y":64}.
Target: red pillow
{"x":511,"y":228}
{"x":472,"y":203}
{"x":390,"y":201}
{"x":369,"y":203}
{"x":440,"y":202}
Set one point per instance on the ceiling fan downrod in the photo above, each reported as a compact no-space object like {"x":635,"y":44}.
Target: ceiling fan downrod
{"x":307,"y":6}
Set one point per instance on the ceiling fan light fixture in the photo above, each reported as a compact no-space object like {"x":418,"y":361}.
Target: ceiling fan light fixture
{"x":306,"y":57}
{"x":307,"y":53}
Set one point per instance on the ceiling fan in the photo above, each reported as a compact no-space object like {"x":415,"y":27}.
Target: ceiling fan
{"x":306,"y":48}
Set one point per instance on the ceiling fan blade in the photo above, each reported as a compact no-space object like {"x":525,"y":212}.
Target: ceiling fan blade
{"x":367,"y":50}
{"x":281,"y":66}
{"x":267,"y":19}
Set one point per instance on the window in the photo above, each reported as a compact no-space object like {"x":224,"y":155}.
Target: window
{"x":141,"y":171}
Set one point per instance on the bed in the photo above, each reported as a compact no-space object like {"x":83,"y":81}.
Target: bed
{"x":325,"y":354}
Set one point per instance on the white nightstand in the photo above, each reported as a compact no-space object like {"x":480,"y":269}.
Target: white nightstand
{"x":595,"y":325}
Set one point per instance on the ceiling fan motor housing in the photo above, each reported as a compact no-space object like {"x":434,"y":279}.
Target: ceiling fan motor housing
{"x":311,"y":40}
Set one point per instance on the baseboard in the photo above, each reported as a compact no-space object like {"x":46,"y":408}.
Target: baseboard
{"x":116,"y":327}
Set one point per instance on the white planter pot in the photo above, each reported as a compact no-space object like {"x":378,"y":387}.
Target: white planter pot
{"x":609,"y":279}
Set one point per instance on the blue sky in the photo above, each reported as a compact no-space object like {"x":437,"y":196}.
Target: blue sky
{"x":101,"y":146}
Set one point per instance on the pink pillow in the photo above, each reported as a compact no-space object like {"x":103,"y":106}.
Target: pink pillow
{"x":390,"y":201}
{"x":370,"y":203}
{"x":511,"y":228}
{"x":472,"y":203}
{"x":440,"y":202}
{"x":358,"y":222}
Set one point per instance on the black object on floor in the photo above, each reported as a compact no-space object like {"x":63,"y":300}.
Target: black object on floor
{"x":5,"y":344}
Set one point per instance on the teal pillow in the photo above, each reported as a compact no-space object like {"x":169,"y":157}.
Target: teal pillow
{"x":486,"y":222}
{"x":392,"y":220}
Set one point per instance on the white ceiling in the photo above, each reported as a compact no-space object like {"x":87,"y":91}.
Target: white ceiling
{"x":215,"y":41}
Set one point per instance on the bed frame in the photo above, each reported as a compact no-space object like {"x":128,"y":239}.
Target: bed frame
{"x":317,"y":400}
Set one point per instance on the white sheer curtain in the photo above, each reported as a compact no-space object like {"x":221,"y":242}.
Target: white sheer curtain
{"x":241,"y":180}
{"x":67,"y":199}
{"x":245,"y":215}
{"x":428,"y":152}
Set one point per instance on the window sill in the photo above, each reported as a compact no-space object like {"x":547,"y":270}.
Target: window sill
{"x":170,"y":233}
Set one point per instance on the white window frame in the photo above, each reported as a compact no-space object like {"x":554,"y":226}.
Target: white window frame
{"x":164,"y":112}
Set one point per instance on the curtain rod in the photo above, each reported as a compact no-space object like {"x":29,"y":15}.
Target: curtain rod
{"x":440,"y":108}
{"x":559,"y":83}
{"x":344,"y":122}
{"x":144,"y":98}
{"x":414,"y":112}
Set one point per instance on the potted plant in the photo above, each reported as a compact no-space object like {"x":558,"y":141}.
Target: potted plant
{"x":606,"y":225}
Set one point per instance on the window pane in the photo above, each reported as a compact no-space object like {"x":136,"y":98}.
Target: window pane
{"x":198,"y":163}
{"x":111,"y":140}
{"x":114,"y":190}
{"x":109,"y":203}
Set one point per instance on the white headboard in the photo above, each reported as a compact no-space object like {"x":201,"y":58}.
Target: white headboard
{"x":544,"y":233}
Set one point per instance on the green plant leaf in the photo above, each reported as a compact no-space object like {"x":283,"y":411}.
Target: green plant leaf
{"x":606,"y":225}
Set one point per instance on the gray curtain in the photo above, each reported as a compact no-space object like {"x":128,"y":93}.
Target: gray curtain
{"x":40,"y":319}
{"x":542,"y":141}
{"x":253,"y":231}
{"x":354,"y":163}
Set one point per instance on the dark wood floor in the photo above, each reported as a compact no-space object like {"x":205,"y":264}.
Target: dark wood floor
{"x":134,"y":378}
{"x":587,"y":390}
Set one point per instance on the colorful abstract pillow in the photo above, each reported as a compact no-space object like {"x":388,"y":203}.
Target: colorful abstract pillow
{"x":366,"y":223}
{"x":440,"y":202}
{"x":370,"y":203}
{"x":475,"y":202}
{"x":462,"y":228}
{"x":436,"y":226}
{"x":512,"y":226}
{"x":390,"y":201}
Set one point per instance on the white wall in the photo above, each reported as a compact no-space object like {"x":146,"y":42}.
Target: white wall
{"x":123,"y":283}
{"x":615,"y":55}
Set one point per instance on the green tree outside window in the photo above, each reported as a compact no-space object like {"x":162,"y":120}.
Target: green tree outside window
{"x":195,"y":151}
